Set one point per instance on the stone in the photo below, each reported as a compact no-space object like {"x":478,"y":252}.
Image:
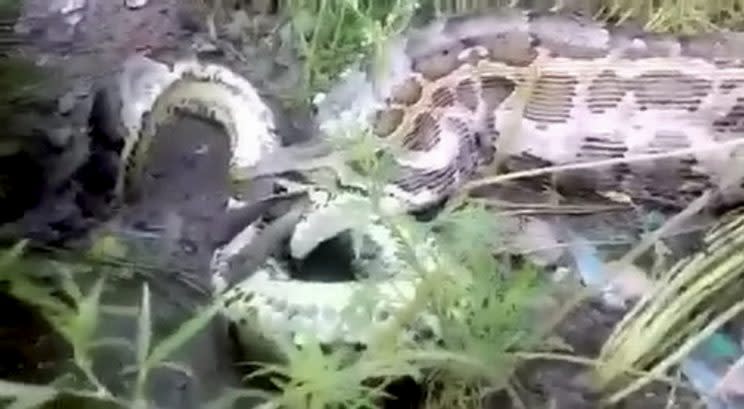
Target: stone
{"x":239,"y":22}
{"x":263,"y":6}
{"x":202,"y":45}
{"x":135,"y":4}
{"x":67,"y":6}
{"x":66,"y":103}
{"x":60,"y":137}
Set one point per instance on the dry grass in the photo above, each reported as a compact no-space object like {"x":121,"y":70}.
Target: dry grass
{"x":677,"y":16}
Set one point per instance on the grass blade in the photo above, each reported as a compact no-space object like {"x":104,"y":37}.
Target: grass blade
{"x":187,"y":330}
{"x":26,"y":396}
{"x":144,"y":327}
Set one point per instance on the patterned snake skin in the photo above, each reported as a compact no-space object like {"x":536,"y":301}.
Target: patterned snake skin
{"x":507,"y":91}
{"x":547,"y":90}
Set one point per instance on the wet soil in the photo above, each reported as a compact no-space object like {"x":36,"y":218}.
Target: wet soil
{"x":183,"y":197}
{"x":185,"y":192}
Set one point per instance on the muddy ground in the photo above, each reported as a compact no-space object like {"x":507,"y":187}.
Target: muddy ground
{"x":185,"y":194}
{"x":180,"y":216}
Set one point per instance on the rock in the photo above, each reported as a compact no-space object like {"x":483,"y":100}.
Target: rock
{"x":67,"y":6}
{"x":203,"y":46}
{"x":135,"y":4}
{"x":51,"y":25}
{"x":66,"y":103}
{"x":239,"y":22}
{"x":60,"y":137}
{"x":71,"y":11}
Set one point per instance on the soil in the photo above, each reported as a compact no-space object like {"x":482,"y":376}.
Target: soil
{"x":186,"y":192}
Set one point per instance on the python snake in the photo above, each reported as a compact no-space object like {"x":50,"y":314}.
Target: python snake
{"x":505,"y":91}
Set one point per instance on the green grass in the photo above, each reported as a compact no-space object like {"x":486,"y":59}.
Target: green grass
{"x":332,"y":35}
{"x":678,"y":16}
{"x":693,"y":299}
{"x":477,"y":347}
{"x":490,"y":299}
{"x":75,"y":313}
{"x":480,"y":305}
{"x":332,"y":38}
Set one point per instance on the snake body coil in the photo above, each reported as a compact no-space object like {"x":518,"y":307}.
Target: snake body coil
{"x":527,"y":89}
{"x":155,"y":94}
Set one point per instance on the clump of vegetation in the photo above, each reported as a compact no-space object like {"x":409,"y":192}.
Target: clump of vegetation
{"x":671,"y":16}
{"x":75,"y":313}
{"x":693,"y":299}
{"x":481,"y":306}
{"x":333,"y":35}
{"x":688,"y":17}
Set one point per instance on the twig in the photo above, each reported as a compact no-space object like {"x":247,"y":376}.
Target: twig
{"x":594,"y":164}
{"x":591,"y":362}
{"x":549,"y":207}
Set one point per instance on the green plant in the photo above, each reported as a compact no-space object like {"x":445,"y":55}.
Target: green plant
{"x":689,"y":16}
{"x":332,"y":35}
{"x":480,"y":304}
{"x":478,"y":340}
{"x":693,"y":299}
{"x":674,"y":16}
{"x":470,"y":341}
{"x":75,"y":315}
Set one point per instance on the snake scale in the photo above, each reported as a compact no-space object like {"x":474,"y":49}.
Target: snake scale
{"x":508,"y":90}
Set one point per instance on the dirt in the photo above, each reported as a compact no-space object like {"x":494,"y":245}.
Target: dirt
{"x":183,"y":198}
